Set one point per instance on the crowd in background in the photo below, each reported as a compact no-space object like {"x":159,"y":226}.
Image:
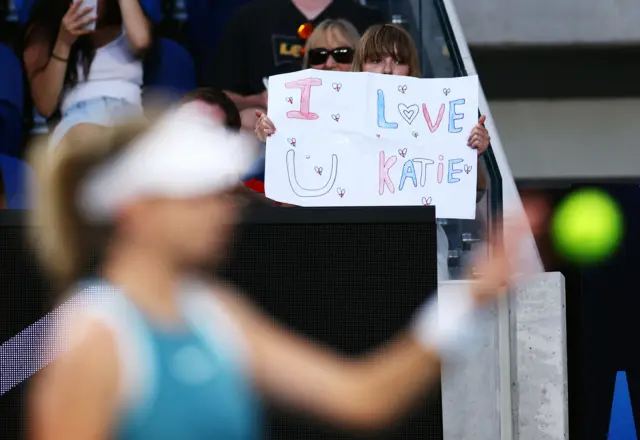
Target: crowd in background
{"x":90,"y":66}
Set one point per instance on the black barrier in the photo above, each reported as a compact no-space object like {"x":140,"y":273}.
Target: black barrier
{"x":349,"y":278}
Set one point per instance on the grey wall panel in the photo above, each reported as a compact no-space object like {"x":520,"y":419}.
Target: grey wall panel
{"x":503,"y":22}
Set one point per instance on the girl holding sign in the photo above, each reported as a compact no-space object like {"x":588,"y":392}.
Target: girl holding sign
{"x":157,"y":350}
{"x":389,"y":49}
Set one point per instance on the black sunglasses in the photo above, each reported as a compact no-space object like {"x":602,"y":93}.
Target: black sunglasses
{"x":342,"y":55}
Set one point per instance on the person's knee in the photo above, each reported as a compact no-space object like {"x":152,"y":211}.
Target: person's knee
{"x":80,"y":131}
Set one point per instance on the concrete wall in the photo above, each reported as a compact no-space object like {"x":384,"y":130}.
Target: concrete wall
{"x":526,"y":22}
{"x":564,"y":139}
{"x":515,"y":386}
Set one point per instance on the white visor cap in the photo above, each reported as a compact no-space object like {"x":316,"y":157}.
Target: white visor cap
{"x":186,"y":154}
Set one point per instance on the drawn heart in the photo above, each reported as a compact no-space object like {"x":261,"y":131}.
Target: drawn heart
{"x":402,"y":152}
{"x":318,"y":170}
{"x":341,"y":191}
{"x":446,"y":91}
{"x":289,"y":100}
{"x":337,"y":86}
{"x":402,"y":89}
{"x":336,"y":117}
{"x":408,"y":113}
{"x":292,"y":141}
{"x":426,"y":202}
{"x":467,"y":168}
{"x":378,"y":136}
{"x":415,"y":134}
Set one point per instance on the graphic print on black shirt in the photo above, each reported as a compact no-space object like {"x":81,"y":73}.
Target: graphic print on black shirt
{"x":286,"y":49}
{"x":262,"y":39}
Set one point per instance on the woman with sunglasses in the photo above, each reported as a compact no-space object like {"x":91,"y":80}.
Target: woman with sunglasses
{"x":330,"y":46}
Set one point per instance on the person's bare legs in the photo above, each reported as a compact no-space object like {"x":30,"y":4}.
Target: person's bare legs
{"x":80,"y":131}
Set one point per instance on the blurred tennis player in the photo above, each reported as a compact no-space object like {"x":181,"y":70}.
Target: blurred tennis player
{"x":157,"y":351}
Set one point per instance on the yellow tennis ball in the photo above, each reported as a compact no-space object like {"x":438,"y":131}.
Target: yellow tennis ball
{"x":587,"y":226}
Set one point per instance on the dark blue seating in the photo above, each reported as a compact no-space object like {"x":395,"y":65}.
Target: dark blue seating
{"x":23,"y":8}
{"x":16,"y":175}
{"x":169,"y":69}
{"x":11,"y":102}
{"x":153,"y":9}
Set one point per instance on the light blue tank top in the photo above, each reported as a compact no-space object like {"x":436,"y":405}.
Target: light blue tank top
{"x":186,"y":384}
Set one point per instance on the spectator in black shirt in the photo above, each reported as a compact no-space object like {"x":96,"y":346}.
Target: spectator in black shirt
{"x":262,"y":40}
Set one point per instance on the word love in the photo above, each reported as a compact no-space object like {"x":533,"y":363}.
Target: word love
{"x":416,"y":171}
{"x":410,"y":112}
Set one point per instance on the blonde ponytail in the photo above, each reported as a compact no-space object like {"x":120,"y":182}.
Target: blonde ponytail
{"x":63,"y":239}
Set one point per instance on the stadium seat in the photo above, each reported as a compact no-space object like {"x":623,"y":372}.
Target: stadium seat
{"x":169,"y":69}
{"x":153,"y":9}
{"x":16,"y":174}
{"x":11,"y":102}
{"x":23,"y":8}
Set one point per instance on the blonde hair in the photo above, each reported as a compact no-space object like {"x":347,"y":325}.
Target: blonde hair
{"x":63,"y":239}
{"x":347,"y":30}
{"x":387,"y":40}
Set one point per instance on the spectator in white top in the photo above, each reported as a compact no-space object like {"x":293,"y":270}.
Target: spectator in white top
{"x":86,"y":62}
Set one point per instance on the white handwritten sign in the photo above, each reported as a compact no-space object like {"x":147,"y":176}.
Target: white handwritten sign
{"x":363,"y":139}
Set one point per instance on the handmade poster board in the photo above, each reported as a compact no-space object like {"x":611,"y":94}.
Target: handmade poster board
{"x":364,"y":139}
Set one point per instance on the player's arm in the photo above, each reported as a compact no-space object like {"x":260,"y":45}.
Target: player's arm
{"x":358,"y":394}
{"x":369,"y":392}
{"x":74,"y":398}
{"x":363,"y":394}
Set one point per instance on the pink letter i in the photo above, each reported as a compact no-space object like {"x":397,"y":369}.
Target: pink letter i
{"x":305,"y":98}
